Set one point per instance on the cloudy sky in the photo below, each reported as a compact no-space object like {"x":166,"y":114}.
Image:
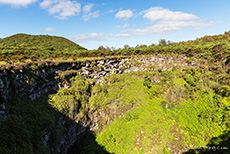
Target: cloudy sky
{"x":115,"y":22}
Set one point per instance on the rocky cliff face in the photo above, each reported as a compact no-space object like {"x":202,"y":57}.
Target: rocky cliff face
{"x":33,"y":80}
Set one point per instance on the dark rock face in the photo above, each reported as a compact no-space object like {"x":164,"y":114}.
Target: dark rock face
{"x":34,"y":80}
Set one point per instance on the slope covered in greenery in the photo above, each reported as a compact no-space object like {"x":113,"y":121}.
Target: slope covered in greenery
{"x":138,"y":112}
{"x":35,"y":46}
{"x":152,"y":112}
{"x":37,"y":42}
{"x":172,"y":111}
{"x":13,"y":49}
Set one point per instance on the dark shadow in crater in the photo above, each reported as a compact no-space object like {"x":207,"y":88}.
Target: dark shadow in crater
{"x":88,"y":145}
{"x":35,"y":127}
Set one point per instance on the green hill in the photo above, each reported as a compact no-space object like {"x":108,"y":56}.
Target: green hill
{"x":21,"y":47}
{"x":37,"y":42}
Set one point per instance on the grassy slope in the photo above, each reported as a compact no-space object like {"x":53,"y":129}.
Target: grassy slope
{"x":186,"y":108}
{"x":181,"y":112}
{"x":171,"y":114}
{"x":37,"y":42}
{"x":14,"y":49}
{"x":21,"y":47}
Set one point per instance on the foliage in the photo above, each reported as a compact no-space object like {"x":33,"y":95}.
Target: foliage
{"x":70,"y":101}
{"x":38,"y":42}
{"x":25,"y":126}
{"x":157,"y":122}
{"x":22,"y":47}
{"x":139,"y":112}
{"x":144,"y":116}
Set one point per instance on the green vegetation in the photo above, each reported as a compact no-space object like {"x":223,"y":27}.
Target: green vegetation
{"x":138,"y":115}
{"x":23,"y":130}
{"x":181,"y":112}
{"x":22,"y":48}
{"x":37,"y":42}
{"x":139,"y":112}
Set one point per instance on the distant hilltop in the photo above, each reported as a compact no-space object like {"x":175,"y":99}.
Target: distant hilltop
{"x":38,"y":42}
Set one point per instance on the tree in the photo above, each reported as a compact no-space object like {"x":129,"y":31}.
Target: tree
{"x":126,"y":46}
{"x":101,"y":48}
{"x":113,"y":48}
{"x":162,"y":42}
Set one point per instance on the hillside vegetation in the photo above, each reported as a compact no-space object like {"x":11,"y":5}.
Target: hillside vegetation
{"x":21,"y":47}
{"x":37,"y":42}
{"x":163,"y":111}
{"x":152,"y":112}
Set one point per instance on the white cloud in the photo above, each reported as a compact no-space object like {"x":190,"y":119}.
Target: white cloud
{"x":96,"y":37}
{"x":46,"y":3}
{"x":17,"y":3}
{"x":168,"y":21}
{"x":61,"y":9}
{"x":87,"y":8}
{"x":87,"y":14}
{"x":111,"y":11}
{"x":125,"y":26}
{"x":159,"y":13}
{"x":125,"y":14}
{"x":49,"y":29}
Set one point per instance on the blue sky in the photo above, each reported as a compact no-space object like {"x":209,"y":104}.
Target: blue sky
{"x":115,"y":22}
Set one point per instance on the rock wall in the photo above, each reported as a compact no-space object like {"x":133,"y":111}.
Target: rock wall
{"x":33,"y":80}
